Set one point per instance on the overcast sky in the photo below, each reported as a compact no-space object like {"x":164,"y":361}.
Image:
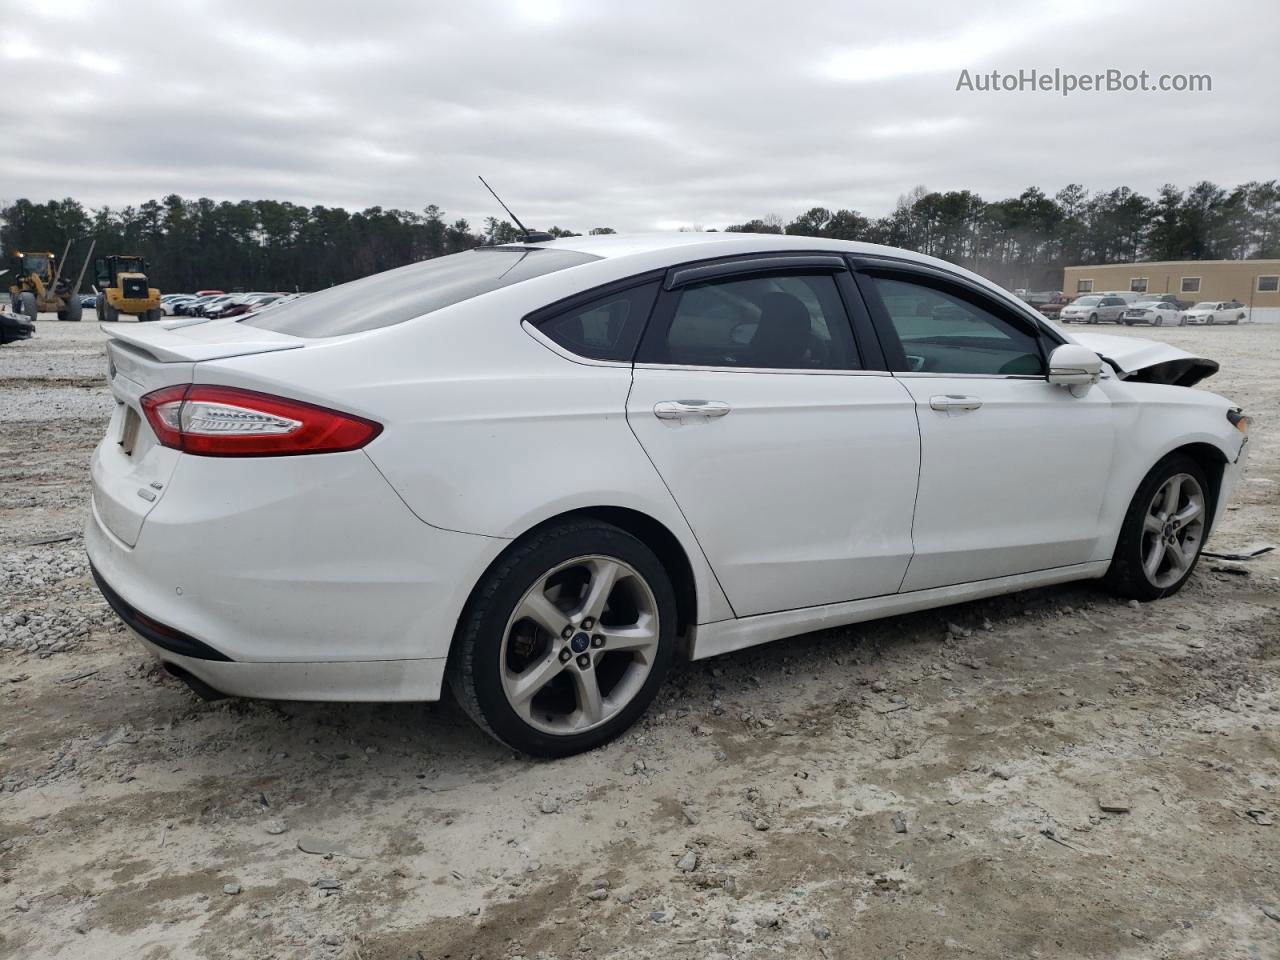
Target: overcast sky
{"x":646,"y":115}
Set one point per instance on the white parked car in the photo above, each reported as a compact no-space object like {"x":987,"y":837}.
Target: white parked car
{"x":1216,"y":311}
{"x":1097,"y":308}
{"x":539,"y":471}
{"x":169,"y":302}
{"x":1158,"y":313}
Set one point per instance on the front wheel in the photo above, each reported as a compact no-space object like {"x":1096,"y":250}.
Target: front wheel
{"x":1159,"y":320}
{"x":566,"y":639}
{"x":27,"y":305}
{"x":1163,"y":531}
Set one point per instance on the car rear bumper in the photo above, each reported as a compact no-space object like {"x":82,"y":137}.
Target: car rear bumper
{"x":291,"y":578}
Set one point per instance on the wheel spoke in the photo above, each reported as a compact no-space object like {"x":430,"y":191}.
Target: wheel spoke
{"x":1172,"y":490}
{"x":640,"y":637}
{"x":522,"y":688}
{"x":1191,"y":511}
{"x":1154,"y":556}
{"x":538,"y":608}
{"x":1178,"y":557}
{"x":1152,"y":524}
{"x":604,"y":574}
{"x":590,"y":703}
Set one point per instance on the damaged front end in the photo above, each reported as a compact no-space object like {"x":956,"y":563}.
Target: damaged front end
{"x":1148,"y":361}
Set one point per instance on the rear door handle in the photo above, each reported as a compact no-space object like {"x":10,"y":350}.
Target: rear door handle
{"x":953,"y":404}
{"x":679,"y":409}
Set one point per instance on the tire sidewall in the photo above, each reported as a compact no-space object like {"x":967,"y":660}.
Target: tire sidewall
{"x":506,"y":585}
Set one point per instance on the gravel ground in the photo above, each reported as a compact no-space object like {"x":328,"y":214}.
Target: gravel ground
{"x":1052,"y":774}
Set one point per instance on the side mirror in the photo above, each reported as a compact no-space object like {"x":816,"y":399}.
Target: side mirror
{"x":1075,"y":367}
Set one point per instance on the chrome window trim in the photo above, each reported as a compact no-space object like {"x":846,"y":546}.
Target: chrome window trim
{"x":541,"y":338}
{"x":786,"y":370}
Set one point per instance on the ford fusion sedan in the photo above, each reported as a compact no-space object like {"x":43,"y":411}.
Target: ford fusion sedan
{"x":538,"y":472}
{"x":1216,"y":311}
{"x":1094,"y":309}
{"x":1158,"y":313}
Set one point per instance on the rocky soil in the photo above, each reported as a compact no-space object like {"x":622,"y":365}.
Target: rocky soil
{"x":1055,"y":774}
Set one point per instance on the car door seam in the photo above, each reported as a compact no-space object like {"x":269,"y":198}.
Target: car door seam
{"x":626,"y":413}
{"x":915,"y":501}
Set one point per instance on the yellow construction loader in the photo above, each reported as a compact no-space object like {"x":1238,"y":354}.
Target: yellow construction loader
{"x":123,"y":288}
{"x":36,"y":287}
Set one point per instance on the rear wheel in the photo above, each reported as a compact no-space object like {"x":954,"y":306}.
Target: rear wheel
{"x":27,"y":304}
{"x":73,"y":311}
{"x":1093,"y":318}
{"x":1163,"y":532}
{"x":153,"y":315}
{"x":566,"y":639}
{"x":109,"y":313}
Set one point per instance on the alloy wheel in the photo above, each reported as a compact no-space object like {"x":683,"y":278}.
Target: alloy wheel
{"x":1172,"y":530}
{"x":579,"y":645}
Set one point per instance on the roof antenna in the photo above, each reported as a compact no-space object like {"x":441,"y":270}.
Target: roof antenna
{"x":530,"y":236}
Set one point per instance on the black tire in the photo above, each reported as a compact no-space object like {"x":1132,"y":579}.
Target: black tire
{"x":109,"y":313}
{"x":1126,"y":576}
{"x":27,"y":305}
{"x":1093,"y":318}
{"x":475,"y":662}
{"x":152,"y":315}
{"x":73,"y":312}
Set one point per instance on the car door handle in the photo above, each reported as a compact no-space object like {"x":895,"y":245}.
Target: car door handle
{"x":679,"y":409}
{"x":952,"y":404}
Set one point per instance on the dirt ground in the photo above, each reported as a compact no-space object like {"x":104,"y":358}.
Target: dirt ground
{"x":930,"y":786}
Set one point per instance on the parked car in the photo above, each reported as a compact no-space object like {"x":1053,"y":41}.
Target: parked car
{"x":88,"y":301}
{"x":490,"y":469}
{"x":1168,"y":298}
{"x":186,"y":308}
{"x":1095,"y":308}
{"x":1128,"y":296}
{"x":246,"y":304}
{"x":1155,"y":312}
{"x":1217,"y":311}
{"x":170,"y":302}
{"x":15,"y":326}
{"x":204,"y":305}
{"x":1052,"y":307}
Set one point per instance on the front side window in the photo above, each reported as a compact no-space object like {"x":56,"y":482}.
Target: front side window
{"x":1190,"y":284}
{"x":944,"y":332}
{"x":398,"y":295}
{"x":771,"y":321}
{"x":604,"y":329}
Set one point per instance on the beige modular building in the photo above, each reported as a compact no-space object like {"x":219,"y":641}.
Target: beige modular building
{"x":1255,"y":283}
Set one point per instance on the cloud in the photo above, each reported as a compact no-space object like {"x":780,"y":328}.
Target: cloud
{"x":635,"y":116}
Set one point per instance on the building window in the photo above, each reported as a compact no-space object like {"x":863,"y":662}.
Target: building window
{"x":1190,"y":284}
{"x":1138,"y":285}
{"x":1084,"y":286}
{"x":1268,"y":284}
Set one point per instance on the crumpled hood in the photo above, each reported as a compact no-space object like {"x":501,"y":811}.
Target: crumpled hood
{"x":1149,"y":361}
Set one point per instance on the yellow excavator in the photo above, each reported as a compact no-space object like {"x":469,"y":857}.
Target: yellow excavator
{"x":37,"y":287}
{"x":122,"y":288}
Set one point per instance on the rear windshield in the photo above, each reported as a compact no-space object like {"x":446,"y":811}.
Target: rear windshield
{"x":407,"y":292}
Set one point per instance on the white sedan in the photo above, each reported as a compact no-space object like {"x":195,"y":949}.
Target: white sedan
{"x":539,"y":471}
{"x":1158,"y":313}
{"x":1216,"y":311}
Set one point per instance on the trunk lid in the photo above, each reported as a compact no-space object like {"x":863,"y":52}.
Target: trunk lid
{"x":131,"y":470}
{"x":1148,"y":361}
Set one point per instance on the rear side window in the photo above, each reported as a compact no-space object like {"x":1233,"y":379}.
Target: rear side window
{"x":781,"y":321}
{"x":607,"y":328}
{"x":398,"y":295}
{"x":943,"y":331}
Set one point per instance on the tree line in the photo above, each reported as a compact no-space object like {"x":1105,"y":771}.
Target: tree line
{"x":1023,"y":241}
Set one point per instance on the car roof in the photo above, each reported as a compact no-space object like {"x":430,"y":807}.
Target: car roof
{"x":672,"y":248}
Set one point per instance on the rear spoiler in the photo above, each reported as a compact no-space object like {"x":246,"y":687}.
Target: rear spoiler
{"x":175,"y":342}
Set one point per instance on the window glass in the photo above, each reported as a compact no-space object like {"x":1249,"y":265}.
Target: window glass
{"x":1084,"y":286}
{"x":407,"y":292}
{"x":945,"y":333}
{"x":774,"y":321}
{"x":1138,"y":286}
{"x":605,"y":329}
{"x":1190,"y":284}
{"x":1268,"y":284}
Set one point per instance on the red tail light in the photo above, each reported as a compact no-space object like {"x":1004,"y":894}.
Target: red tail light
{"x":229,"y":422}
